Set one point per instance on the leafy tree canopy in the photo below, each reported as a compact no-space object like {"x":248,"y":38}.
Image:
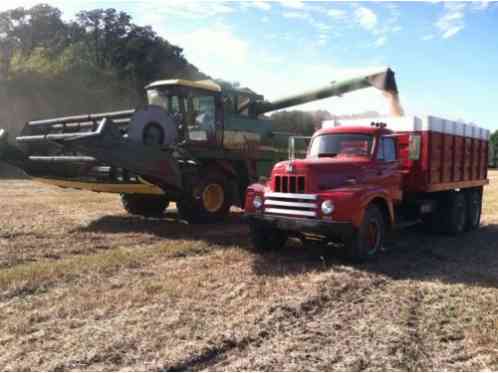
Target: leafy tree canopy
{"x":102,"y":39}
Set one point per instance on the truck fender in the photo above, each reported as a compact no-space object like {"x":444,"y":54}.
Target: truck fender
{"x":380,"y":198}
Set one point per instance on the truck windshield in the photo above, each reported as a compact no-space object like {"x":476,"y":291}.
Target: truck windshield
{"x":344,"y":144}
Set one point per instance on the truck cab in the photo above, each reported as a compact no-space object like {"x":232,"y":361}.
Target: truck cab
{"x":348,"y":172}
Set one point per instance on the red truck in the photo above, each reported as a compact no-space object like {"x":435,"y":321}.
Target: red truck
{"x":361,"y":178}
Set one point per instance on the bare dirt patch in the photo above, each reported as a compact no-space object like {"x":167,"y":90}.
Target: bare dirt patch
{"x":83,"y":286}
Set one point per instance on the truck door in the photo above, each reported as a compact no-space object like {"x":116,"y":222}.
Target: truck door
{"x":387,"y":166}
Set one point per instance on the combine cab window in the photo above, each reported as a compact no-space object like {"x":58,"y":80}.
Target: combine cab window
{"x":341,"y":144}
{"x":202,"y":118}
{"x":194,"y":109}
{"x":170,"y":102}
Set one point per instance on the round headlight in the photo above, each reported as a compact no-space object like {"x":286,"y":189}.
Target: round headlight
{"x":327,"y":207}
{"x":257,"y":202}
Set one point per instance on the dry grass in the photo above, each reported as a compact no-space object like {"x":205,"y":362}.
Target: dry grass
{"x":85,"y":287}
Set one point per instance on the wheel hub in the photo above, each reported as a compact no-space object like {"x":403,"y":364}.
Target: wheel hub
{"x":213,"y":197}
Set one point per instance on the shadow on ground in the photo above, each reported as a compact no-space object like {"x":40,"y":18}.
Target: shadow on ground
{"x":230,"y":232}
{"x":470,"y":258}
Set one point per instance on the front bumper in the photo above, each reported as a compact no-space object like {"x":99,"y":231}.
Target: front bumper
{"x":330,"y":229}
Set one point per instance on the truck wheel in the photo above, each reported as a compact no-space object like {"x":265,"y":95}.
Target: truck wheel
{"x":210,"y":200}
{"x":474,"y":208}
{"x":368,"y":240}
{"x":266,"y":239}
{"x":455,"y":213}
{"x":143,"y":204}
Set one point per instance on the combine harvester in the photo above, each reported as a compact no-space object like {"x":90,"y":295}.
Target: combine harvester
{"x":362,"y":177}
{"x":196,"y":143}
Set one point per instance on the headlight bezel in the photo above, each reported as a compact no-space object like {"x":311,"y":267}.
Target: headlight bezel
{"x":257,"y":202}
{"x":327,"y":207}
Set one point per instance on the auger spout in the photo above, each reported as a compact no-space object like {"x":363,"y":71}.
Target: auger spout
{"x":383,"y":80}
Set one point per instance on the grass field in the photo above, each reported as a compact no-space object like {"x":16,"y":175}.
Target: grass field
{"x":83,"y":286}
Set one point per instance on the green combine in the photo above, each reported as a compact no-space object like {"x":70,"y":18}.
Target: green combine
{"x":196,"y":143}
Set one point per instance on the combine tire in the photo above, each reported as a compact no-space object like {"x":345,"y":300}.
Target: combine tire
{"x":367,"y":242}
{"x":474,"y":208}
{"x":266,"y":239}
{"x":210,"y":201}
{"x":144,"y":205}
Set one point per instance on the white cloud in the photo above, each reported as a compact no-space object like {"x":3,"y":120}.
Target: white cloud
{"x":302,"y":16}
{"x":322,"y":39}
{"x":336,"y":13}
{"x":322,"y":26}
{"x":188,"y":9}
{"x":428,"y":37}
{"x":296,"y":15}
{"x":258,"y":4}
{"x":366,"y":18}
{"x":295,"y":4}
{"x":452,"y":31}
{"x":480,"y":5}
{"x":452,"y":21}
{"x":381,"y":41}
{"x":215,"y":50}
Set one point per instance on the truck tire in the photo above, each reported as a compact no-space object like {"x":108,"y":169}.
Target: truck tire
{"x":434,"y":222}
{"x":265,"y":238}
{"x":474,"y":208}
{"x":368,"y":240}
{"x":210,"y":201}
{"x":454,"y":213}
{"x":144,"y":205}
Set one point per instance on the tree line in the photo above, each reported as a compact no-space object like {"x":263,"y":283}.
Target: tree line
{"x":38,"y":40}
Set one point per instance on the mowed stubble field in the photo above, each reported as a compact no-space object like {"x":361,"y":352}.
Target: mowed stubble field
{"x":83,"y":286}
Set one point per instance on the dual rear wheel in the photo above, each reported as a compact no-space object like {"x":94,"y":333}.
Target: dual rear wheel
{"x":458,"y":212}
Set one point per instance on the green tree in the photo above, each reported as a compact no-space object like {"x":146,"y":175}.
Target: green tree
{"x":493,"y":147}
{"x":23,"y":31}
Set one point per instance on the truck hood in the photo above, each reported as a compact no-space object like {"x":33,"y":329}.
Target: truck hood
{"x":325,"y":173}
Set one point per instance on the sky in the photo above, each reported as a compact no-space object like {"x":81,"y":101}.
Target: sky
{"x":444,"y":54}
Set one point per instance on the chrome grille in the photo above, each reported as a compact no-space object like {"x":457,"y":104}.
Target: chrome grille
{"x":290,"y":184}
{"x":294,"y":204}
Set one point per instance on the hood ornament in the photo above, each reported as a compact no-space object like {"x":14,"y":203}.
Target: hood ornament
{"x":290,"y":167}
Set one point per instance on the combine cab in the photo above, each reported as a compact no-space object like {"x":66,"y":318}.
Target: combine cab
{"x":196,"y":143}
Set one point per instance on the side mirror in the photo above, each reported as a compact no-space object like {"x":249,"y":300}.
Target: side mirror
{"x":414,"y":147}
